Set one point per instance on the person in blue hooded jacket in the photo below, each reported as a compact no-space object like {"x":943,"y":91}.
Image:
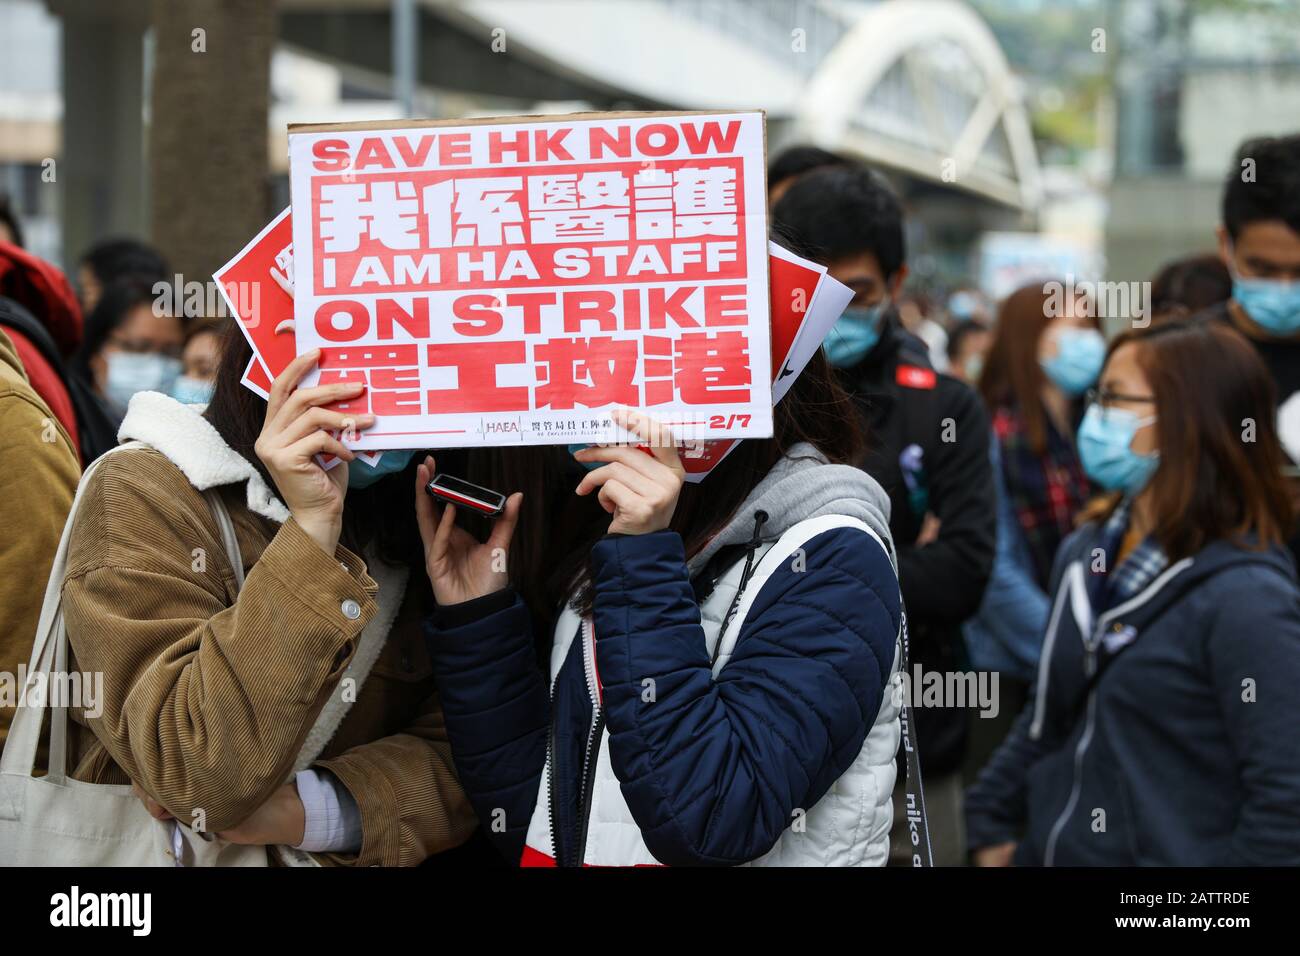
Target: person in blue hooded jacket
{"x":721,"y":681}
{"x":1162,"y":729}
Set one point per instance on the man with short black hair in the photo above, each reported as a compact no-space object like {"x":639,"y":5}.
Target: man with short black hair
{"x":791,"y":163}
{"x":928,"y":436}
{"x":112,"y":259}
{"x":1259,"y":242}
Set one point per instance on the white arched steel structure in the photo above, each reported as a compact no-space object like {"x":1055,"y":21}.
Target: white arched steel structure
{"x":917,"y":85}
{"x":923,"y":86}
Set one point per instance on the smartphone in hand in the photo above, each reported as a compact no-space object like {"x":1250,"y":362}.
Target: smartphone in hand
{"x":458,"y":491}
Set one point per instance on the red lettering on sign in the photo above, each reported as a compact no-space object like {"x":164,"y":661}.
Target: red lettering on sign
{"x":328,"y":313}
{"x":415,"y":323}
{"x":711,"y":138}
{"x":479,"y":314}
{"x":609,"y":364}
{"x":476,"y":377}
{"x":331,"y":155}
{"x":713,"y":368}
{"x":724,"y":305}
{"x":531,"y":303}
{"x":595,"y":305}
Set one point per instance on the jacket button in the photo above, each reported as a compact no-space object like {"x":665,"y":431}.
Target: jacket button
{"x":351,"y":609}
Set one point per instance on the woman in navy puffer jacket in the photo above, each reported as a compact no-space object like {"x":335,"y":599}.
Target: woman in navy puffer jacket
{"x":720,"y":688}
{"x":1163,"y":727}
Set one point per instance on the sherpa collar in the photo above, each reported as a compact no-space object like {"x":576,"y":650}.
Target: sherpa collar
{"x":192,"y":444}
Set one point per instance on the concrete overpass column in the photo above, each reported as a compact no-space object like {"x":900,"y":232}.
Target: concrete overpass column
{"x":101,"y":166}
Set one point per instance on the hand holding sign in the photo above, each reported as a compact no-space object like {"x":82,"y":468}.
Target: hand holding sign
{"x":294,"y":432}
{"x":640,"y":490}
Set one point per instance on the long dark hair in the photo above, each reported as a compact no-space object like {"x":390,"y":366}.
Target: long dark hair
{"x":381,"y":515}
{"x":1209,"y":385}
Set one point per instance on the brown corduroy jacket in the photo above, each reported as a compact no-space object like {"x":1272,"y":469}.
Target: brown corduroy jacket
{"x":38,"y":475}
{"x":213,"y":697}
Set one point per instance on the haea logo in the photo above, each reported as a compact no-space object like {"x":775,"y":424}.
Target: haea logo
{"x":102,"y":909}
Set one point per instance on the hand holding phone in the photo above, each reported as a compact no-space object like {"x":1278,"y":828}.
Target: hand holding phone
{"x":460,"y":567}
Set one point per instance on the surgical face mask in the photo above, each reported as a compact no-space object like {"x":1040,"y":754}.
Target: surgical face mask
{"x":972,"y":367}
{"x":963,"y":305}
{"x":1105,"y":440}
{"x":192,"y":391}
{"x":363,"y":475}
{"x":1272,"y":304}
{"x":131,"y":372}
{"x":1080,"y":354}
{"x":854,"y":334}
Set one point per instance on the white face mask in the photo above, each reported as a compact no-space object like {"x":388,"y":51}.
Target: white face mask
{"x":131,"y":372}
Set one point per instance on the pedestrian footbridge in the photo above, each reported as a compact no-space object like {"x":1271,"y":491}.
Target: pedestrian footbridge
{"x":916,"y":86}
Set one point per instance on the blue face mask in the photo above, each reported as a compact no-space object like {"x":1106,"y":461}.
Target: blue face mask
{"x":1105,"y":439}
{"x":192,"y":391}
{"x":854,"y":334}
{"x":1271,"y":304}
{"x":1080,"y":354}
{"x":131,"y":372}
{"x":362,"y":475}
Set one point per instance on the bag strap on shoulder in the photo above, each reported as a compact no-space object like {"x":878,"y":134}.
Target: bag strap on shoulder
{"x":49,"y":656}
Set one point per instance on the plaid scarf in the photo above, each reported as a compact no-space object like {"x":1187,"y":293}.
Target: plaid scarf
{"x":1139,"y":568}
{"x":1046,"y":490}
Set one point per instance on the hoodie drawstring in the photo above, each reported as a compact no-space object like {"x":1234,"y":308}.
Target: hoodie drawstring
{"x":760,"y":516}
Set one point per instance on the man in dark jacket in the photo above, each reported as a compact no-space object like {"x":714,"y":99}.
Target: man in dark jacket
{"x":1259,"y":241}
{"x":928,"y":438}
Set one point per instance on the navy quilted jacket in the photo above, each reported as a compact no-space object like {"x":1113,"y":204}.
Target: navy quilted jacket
{"x":713,"y":770}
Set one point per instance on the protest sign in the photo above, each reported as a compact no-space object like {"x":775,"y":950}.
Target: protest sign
{"x":256,"y":378}
{"x":804,"y":301}
{"x":257,"y":286}
{"x":805,"y":304}
{"x":511,"y":281}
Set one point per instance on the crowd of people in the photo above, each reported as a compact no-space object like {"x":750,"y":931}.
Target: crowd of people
{"x":625,"y":669}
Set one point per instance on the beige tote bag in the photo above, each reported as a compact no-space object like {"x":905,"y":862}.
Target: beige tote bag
{"x":57,"y":821}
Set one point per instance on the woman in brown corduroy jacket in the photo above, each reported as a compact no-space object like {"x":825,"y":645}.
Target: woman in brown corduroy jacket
{"x":300,"y":712}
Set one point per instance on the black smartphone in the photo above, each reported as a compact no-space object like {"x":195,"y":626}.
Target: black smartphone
{"x":458,"y":491}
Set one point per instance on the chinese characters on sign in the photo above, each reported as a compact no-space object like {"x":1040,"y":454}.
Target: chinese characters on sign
{"x":511,"y":282}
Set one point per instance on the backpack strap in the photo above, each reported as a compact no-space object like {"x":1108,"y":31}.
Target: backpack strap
{"x":793,"y":539}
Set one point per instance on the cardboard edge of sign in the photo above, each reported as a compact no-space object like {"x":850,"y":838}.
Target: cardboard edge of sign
{"x":586,"y":115}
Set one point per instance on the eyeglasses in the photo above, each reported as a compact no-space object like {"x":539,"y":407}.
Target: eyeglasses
{"x":1106,"y":398}
{"x":142,"y":347}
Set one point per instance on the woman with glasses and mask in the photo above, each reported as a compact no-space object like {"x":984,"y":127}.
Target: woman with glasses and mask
{"x":1162,"y":727}
{"x":131,"y":345}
